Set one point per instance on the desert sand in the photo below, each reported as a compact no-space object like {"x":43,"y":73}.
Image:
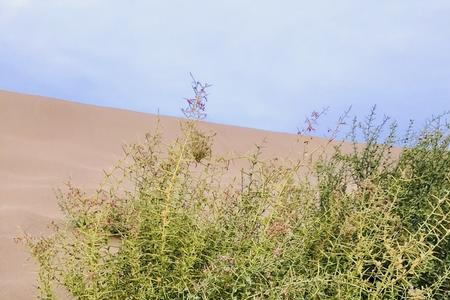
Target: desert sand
{"x":45,"y":142}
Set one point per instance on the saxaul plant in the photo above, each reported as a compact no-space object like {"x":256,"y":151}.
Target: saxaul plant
{"x":171,"y":222}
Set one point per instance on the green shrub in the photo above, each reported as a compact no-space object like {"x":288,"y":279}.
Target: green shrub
{"x":171,"y":223}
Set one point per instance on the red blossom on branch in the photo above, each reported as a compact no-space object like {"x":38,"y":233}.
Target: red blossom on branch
{"x":311,"y":122}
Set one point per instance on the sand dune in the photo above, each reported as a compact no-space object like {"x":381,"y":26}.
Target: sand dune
{"x":44,"y":142}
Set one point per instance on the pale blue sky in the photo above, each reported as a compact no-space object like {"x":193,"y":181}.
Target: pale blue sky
{"x":271,"y":62}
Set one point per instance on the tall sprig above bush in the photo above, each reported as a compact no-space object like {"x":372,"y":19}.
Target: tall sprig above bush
{"x":196,"y":106}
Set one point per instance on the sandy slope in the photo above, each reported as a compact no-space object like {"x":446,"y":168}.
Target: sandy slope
{"x":44,"y":142}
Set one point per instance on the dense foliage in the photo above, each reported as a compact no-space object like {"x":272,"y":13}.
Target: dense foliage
{"x":175,"y":222}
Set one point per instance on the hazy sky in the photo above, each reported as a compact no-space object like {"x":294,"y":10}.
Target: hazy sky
{"x":271,"y":62}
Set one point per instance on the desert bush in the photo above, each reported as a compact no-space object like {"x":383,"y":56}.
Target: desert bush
{"x":170,"y":222}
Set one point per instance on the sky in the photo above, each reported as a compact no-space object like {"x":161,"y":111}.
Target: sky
{"x":271,"y":63}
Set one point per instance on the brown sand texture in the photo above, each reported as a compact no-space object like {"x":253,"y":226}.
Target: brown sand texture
{"x":45,"y":142}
